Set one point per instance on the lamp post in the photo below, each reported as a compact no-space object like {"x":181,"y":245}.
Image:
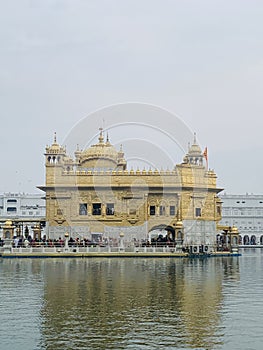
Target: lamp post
{"x":66,"y":241}
{"x":146,"y":216}
{"x":121,"y":241}
{"x":234,"y":239}
{"x":179,"y":234}
{"x":37,"y":231}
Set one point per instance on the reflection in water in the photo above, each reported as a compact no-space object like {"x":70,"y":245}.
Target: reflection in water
{"x":133,"y":303}
{"x":21,"y":295}
{"x":127,"y":303}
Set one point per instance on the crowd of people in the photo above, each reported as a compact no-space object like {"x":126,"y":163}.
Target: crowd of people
{"x":28,"y":241}
{"x":48,"y":242}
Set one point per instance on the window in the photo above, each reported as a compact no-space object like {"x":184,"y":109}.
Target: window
{"x":83,"y":209}
{"x":152,"y":209}
{"x":59,"y":212}
{"x":197,"y":212}
{"x":11,"y":201}
{"x":172,"y":210}
{"x":110,"y":209}
{"x":23,"y":213}
{"x":132,"y":211}
{"x":11,"y":210}
{"x":30,"y":213}
{"x":96,"y":209}
{"x":162,"y":210}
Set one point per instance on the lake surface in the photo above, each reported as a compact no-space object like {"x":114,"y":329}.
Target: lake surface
{"x":132,"y":303}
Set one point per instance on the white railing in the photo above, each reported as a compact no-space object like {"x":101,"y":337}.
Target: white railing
{"x":94,"y":249}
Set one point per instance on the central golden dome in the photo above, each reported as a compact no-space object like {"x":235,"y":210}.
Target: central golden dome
{"x":102,"y":155}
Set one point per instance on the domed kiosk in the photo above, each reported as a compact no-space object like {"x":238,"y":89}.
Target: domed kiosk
{"x":8,"y":230}
{"x":195,"y":154}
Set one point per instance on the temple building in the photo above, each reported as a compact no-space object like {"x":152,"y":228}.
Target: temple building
{"x":245,"y":211}
{"x":25,"y":211}
{"x":95,"y":196}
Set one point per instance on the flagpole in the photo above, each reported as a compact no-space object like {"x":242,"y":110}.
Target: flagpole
{"x":205,"y":154}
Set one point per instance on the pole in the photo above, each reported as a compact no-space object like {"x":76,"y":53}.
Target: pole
{"x":146,"y":215}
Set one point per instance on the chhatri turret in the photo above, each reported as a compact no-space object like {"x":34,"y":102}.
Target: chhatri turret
{"x":195,"y":155}
{"x":55,"y":156}
{"x":55,"y":153}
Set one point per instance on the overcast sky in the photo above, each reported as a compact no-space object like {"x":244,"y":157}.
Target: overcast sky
{"x":201,"y":60}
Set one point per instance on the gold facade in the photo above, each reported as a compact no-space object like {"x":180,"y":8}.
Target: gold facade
{"x":94,"y":193}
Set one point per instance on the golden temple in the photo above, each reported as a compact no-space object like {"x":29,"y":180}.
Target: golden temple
{"x":95,"y":196}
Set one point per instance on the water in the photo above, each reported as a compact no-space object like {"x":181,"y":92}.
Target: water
{"x":102,"y":303}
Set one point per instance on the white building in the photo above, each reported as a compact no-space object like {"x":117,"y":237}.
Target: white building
{"x":23,"y":209}
{"x":246,"y":213}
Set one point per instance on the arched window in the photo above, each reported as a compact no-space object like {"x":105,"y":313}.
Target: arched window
{"x":253,"y":240}
{"x":152,"y":210}
{"x":234,"y":240}
{"x":83,"y":209}
{"x":246,"y":240}
{"x":179,"y":235}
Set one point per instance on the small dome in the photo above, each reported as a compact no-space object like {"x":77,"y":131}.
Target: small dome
{"x":195,"y":149}
{"x":55,"y":148}
{"x":234,"y":229}
{"x":8,"y":223}
{"x":179,"y":225}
